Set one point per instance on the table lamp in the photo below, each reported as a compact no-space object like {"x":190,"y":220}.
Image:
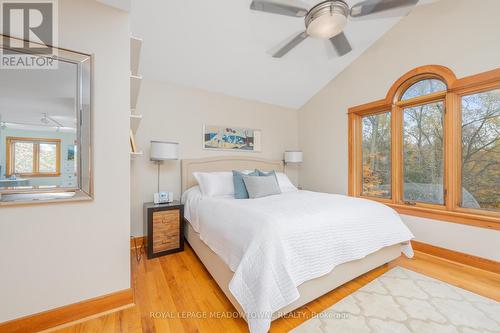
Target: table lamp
{"x":163,"y":151}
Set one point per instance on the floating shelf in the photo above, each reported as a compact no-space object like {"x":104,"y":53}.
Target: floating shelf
{"x":135,"y":120}
{"x":135,"y":54}
{"x":136,"y":154}
{"x":135,"y":87}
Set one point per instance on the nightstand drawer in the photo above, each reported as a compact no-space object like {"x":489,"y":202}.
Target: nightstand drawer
{"x":165,"y":217}
{"x":166,"y":230}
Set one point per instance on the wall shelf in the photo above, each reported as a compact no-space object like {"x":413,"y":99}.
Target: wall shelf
{"x":135,"y":54}
{"x":135,"y":120}
{"x":135,"y":87}
{"x":136,"y":154}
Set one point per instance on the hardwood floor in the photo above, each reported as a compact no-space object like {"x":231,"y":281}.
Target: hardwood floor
{"x":176,"y":294}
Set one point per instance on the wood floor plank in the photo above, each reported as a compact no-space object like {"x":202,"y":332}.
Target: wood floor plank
{"x":478,"y":281}
{"x":180,"y":283}
{"x":208,"y":301}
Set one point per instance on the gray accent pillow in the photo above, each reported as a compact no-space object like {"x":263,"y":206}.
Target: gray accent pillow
{"x":258,"y":187}
{"x":240,"y":191}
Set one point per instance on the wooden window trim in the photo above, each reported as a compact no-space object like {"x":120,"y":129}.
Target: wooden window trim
{"x":451,"y":210}
{"x":10,"y":140}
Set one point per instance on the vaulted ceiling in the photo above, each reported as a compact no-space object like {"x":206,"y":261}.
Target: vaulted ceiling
{"x":26,"y":95}
{"x":223,"y":46}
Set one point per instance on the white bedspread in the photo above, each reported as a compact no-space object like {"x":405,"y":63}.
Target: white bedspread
{"x":276,"y":243}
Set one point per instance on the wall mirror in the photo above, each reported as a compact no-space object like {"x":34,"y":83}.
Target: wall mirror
{"x":45,"y":128}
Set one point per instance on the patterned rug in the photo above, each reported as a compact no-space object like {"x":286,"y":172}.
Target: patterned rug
{"x":402,"y":301}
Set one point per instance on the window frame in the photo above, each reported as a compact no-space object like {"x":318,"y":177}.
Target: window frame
{"x":459,"y":94}
{"x":451,"y":211}
{"x":399,"y":108}
{"x":359,"y":162}
{"x":10,"y":157}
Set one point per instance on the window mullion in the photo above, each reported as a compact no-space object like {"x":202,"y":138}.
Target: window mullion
{"x":452,"y":151}
{"x":449,"y":165}
{"x":396,"y":153}
{"x":10,"y":158}
{"x":359,"y":154}
{"x":36,"y":155}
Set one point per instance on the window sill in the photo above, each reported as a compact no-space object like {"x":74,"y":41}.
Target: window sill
{"x":34,"y":175}
{"x":485,"y":220}
{"x":482,"y":221}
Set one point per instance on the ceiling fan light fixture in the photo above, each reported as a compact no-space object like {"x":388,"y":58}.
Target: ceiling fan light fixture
{"x":327,"y":19}
{"x":44,"y":119}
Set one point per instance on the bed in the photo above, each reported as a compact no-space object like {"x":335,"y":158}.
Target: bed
{"x":225,"y":270}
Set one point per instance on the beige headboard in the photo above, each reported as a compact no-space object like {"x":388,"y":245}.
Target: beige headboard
{"x":224,"y":163}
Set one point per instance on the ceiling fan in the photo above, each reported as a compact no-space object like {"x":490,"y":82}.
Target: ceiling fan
{"x":327,"y":19}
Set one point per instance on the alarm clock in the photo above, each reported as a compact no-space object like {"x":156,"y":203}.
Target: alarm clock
{"x":163,"y":197}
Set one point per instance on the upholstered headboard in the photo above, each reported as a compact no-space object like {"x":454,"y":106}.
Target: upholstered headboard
{"x":224,"y":163}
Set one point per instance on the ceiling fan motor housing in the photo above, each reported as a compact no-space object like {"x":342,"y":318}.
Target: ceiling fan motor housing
{"x":327,"y":19}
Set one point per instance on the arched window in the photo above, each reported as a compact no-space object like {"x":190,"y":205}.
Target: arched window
{"x":422,"y":108}
{"x":423,"y":87}
{"x":431,"y":147}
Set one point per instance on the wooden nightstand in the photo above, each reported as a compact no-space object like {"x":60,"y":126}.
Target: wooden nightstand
{"x":165,"y":228}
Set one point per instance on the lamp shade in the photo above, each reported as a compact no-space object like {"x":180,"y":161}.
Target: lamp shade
{"x":293,"y":156}
{"x":164,"y":150}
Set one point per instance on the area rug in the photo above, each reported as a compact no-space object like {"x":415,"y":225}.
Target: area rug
{"x":402,"y":301}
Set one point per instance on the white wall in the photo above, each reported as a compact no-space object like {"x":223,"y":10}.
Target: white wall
{"x":459,"y":237}
{"x":433,"y":34}
{"x":57,"y":254}
{"x":176,"y":113}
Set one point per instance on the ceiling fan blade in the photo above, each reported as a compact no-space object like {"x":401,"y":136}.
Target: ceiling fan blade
{"x":340,"y":44}
{"x":278,"y":8}
{"x":368,"y":7}
{"x":290,"y":45}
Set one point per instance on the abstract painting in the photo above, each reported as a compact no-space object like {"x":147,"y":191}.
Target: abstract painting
{"x":231,"y":138}
{"x":71,"y":153}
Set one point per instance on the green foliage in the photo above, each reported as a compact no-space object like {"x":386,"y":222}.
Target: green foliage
{"x":423,"y":152}
{"x":423,"y":148}
{"x":481,"y":147}
{"x":377,"y":155}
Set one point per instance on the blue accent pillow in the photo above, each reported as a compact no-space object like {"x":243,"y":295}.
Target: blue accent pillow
{"x":267,"y":174}
{"x":240,"y":190}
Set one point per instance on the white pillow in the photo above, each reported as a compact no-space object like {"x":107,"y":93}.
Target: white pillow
{"x":285,"y":183}
{"x":215,"y":183}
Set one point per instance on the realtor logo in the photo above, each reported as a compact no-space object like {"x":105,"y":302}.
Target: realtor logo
{"x":32,"y":26}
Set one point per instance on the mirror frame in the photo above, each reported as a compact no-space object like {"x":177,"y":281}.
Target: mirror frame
{"x":84,"y":137}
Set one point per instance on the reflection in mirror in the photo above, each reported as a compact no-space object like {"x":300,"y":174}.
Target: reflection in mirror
{"x":38,"y":132}
{"x":45,"y":129}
